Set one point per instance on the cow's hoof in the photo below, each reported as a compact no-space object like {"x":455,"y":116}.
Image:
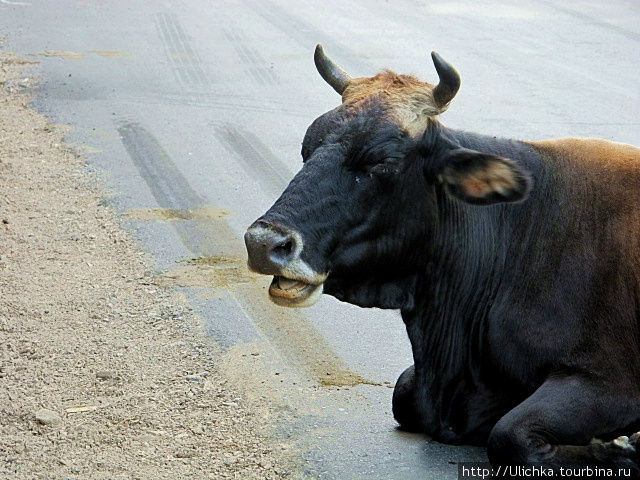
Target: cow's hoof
{"x":623,"y":444}
{"x":404,"y":403}
{"x":623,"y":453}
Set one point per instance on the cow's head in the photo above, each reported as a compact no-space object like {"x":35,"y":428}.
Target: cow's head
{"x":356,"y":221}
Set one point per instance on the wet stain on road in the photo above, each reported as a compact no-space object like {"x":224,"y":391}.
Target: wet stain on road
{"x":174,"y":195}
{"x":108,"y":53}
{"x":341,"y":379}
{"x":217,"y":261}
{"x":220,"y":261}
{"x":172,"y":214}
{"x":213,"y":272}
{"x":67,"y":55}
{"x":297,"y":338}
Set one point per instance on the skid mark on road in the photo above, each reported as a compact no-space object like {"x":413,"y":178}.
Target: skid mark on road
{"x":257,"y":65}
{"x":307,"y":36}
{"x":297,"y":338}
{"x":172,"y":191}
{"x":592,"y":20}
{"x":219,"y":253}
{"x":185,"y":61}
{"x":256,"y":157}
{"x":234,"y":103}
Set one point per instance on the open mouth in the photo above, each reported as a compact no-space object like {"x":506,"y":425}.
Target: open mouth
{"x":293,"y":293}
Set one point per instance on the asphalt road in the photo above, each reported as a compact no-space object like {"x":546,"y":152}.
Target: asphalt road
{"x":196,"y":110}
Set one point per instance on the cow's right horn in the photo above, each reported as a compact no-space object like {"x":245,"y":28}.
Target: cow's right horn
{"x":449,"y":84}
{"x":332,"y":73}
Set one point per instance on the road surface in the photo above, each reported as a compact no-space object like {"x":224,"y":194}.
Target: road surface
{"x":194,"y":113}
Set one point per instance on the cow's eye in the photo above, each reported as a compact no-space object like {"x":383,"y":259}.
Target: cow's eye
{"x":384,"y":169}
{"x":305,"y":152}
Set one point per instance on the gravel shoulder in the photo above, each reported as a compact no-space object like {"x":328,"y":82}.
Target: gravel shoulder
{"x":104,"y":373}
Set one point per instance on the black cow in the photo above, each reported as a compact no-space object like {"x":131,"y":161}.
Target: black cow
{"x":516,"y":266}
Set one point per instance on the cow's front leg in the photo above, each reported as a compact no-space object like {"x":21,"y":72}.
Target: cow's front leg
{"x":554,"y":426}
{"x":404,"y":404}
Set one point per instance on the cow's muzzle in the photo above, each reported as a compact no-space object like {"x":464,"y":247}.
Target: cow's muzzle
{"x":276,"y":250}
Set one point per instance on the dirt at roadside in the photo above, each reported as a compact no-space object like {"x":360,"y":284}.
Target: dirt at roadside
{"x":103,"y":373}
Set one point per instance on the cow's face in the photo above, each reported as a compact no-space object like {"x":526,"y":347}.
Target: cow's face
{"x":355,"y":222}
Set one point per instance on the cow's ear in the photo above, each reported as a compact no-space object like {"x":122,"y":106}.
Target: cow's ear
{"x":475,"y":177}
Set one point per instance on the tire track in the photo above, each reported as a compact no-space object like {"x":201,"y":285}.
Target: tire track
{"x":256,"y":157}
{"x":257,"y":66}
{"x":590,"y":20}
{"x":307,"y":36}
{"x":224,"y":102}
{"x":185,"y":61}
{"x":293,"y":334}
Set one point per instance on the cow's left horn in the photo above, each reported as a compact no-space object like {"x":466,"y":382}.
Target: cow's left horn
{"x":332,"y":73}
{"x":449,"y":84}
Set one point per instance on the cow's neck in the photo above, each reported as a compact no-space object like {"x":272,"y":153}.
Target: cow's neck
{"x":473,"y":250}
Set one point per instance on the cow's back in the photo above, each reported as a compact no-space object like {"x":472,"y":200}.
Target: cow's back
{"x":600,"y":185}
{"x":612,"y":168}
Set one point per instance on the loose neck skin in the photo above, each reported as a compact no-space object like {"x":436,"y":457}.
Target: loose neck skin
{"x":477,"y":254}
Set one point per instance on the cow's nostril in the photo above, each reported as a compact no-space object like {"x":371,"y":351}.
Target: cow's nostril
{"x":284,"y":250}
{"x":270,"y":249}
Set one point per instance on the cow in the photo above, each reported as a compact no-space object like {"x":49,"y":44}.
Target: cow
{"x":515,"y":265}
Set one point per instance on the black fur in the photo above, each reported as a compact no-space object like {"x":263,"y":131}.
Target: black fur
{"x":520,"y":320}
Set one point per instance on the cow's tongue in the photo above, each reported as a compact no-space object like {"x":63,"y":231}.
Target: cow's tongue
{"x":287,"y":284}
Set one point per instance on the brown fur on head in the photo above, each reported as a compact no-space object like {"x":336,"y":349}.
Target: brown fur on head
{"x":409,"y":101}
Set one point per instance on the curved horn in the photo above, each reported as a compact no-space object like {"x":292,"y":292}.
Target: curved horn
{"x":449,"y":84}
{"x":332,"y":73}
